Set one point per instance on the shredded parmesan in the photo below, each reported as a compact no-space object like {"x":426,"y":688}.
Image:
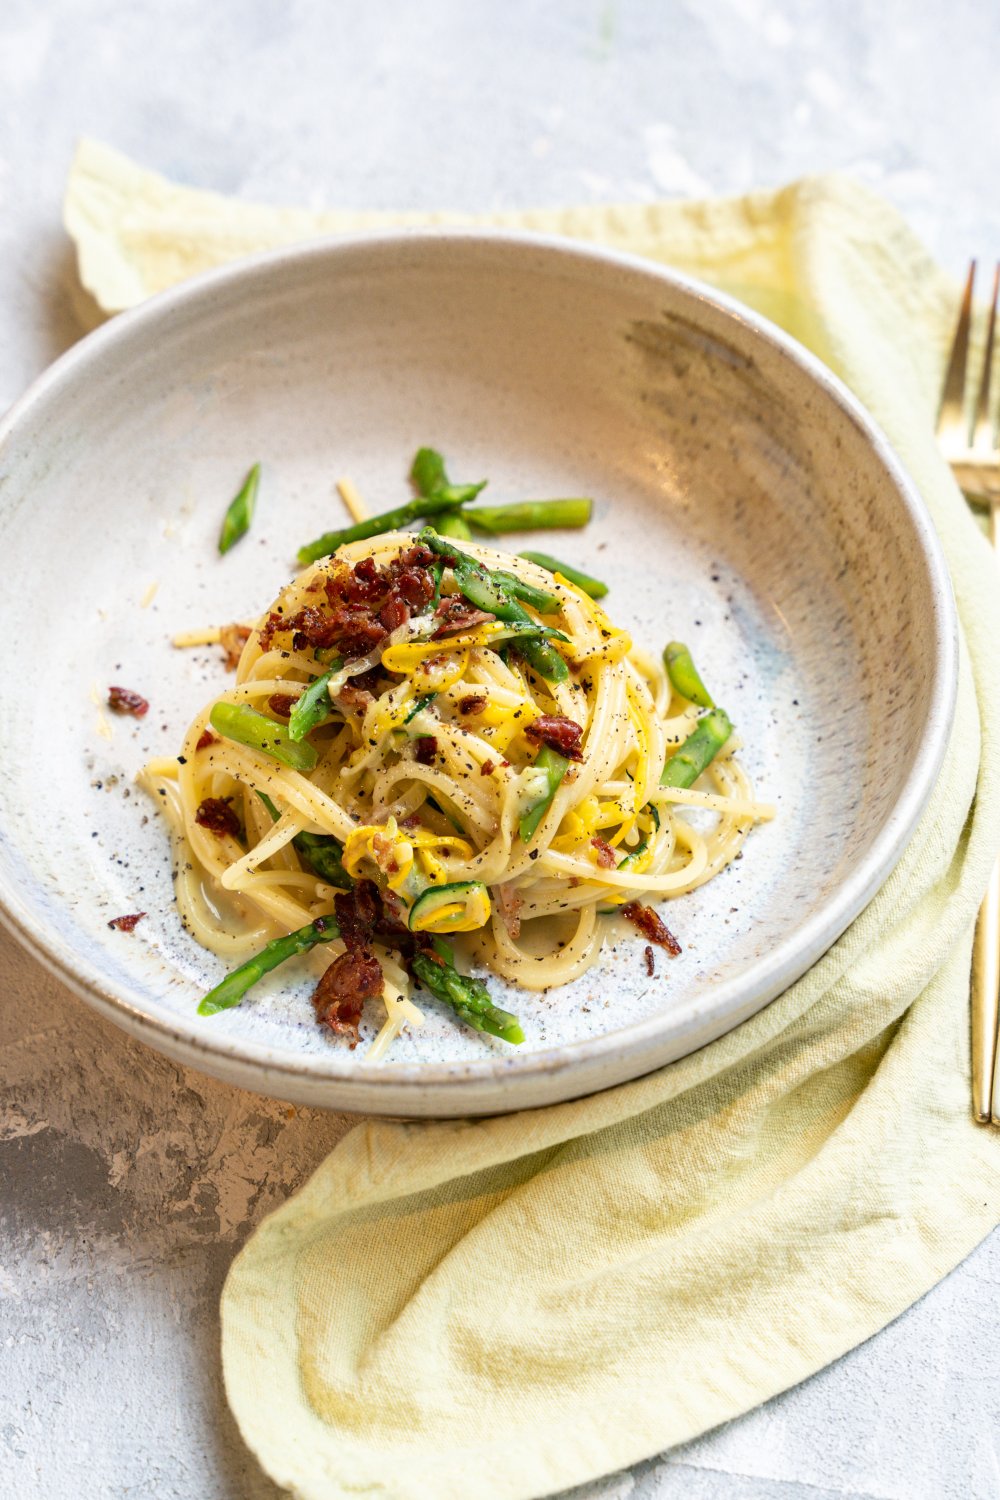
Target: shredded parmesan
{"x":164,"y":766}
{"x":211,"y":635}
{"x":149,"y":595}
{"x":357,"y":507}
{"x":104,"y":728}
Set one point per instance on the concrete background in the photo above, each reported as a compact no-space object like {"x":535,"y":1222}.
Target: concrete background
{"x":126,"y":1184}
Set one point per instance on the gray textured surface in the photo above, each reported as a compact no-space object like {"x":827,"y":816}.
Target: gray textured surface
{"x":127,"y":1185}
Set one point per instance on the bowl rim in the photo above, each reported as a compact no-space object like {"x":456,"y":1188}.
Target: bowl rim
{"x":262,"y":1065}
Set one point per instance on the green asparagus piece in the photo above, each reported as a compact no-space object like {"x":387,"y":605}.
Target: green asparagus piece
{"x":554,"y":766}
{"x":429,"y":477}
{"x":698,"y":750}
{"x":240,"y":722}
{"x":321,"y":851}
{"x":640,"y":848}
{"x":448,"y":498}
{"x":684,"y":675}
{"x":275,"y":814}
{"x":427,"y":472}
{"x":314,"y":704}
{"x":592,"y":586}
{"x":482,"y":589}
{"x":540,"y":599}
{"x":235,"y":985}
{"x":453,"y":523}
{"x":530,"y":515}
{"x":469,"y":998}
{"x":239,"y":514}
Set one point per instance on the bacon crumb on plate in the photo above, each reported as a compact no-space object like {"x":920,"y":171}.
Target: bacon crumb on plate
{"x":232,"y":639}
{"x":651,"y":926}
{"x":125,"y":701}
{"x":650,"y":958}
{"x":127,"y":924}
{"x":339,"y":998}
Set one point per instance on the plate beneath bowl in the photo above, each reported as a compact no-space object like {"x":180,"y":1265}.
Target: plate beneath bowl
{"x":743,"y":502}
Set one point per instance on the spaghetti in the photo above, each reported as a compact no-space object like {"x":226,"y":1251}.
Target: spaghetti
{"x":426,"y":740}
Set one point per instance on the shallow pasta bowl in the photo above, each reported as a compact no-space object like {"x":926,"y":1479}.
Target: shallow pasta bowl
{"x":743,"y":502}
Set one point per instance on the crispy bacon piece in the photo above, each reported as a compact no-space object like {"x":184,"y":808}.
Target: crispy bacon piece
{"x":606,"y":857}
{"x":124,"y":701}
{"x":358,"y":585}
{"x":205,"y":739}
{"x":650,"y":958}
{"x":272,"y":626}
{"x":394,"y":612}
{"x":354,"y":696}
{"x":281,"y":704}
{"x":352,"y":978}
{"x":365,"y":913}
{"x":232,"y":639}
{"x":215,"y":814}
{"x":363,"y":605}
{"x":456,"y":613}
{"x":487,"y":768}
{"x":350,"y":629}
{"x":358,"y":911}
{"x":474,"y":703}
{"x":424,"y":749}
{"x":651,"y":927}
{"x":559,"y":733}
{"x":127,"y":924}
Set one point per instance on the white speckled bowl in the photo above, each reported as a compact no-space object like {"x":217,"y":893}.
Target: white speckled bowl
{"x":744,"y":502}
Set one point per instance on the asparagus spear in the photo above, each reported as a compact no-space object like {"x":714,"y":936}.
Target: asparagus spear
{"x":540,"y":599}
{"x":314,"y":704}
{"x":450,"y":497}
{"x":592,"y":586}
{"x":429,"y":476}
{"x":684,"y":675}
{"x":481,"y":588}
{"x":275,"y":814}
{"x":235,"y":985}
{"x":453,"y":523}
{"x":635,"y":854}
{"x":530,"y":515}
{"x":469,"y":998}
{"x":554,"y":765}
{"x":698,"y":750}
{"x":240,"y":722}
{"x":321,"y":851}
{"x":427,"y":472}
{"x":324,"y":853}
{"x":236,"y":522}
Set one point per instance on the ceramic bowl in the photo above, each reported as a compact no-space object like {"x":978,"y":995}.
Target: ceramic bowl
{"x":743,"y":502}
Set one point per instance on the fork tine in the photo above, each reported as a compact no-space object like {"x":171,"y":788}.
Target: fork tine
{"x":982,"y":436}
{"x":953,"y":398}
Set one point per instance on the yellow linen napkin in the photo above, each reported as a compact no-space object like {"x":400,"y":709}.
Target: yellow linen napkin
{"x":505,"y":1307}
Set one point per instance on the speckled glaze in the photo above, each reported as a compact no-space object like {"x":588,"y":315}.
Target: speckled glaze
{"x":743,"y":501}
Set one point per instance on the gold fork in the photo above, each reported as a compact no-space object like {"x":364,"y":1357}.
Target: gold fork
{"x":972,"y":451}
